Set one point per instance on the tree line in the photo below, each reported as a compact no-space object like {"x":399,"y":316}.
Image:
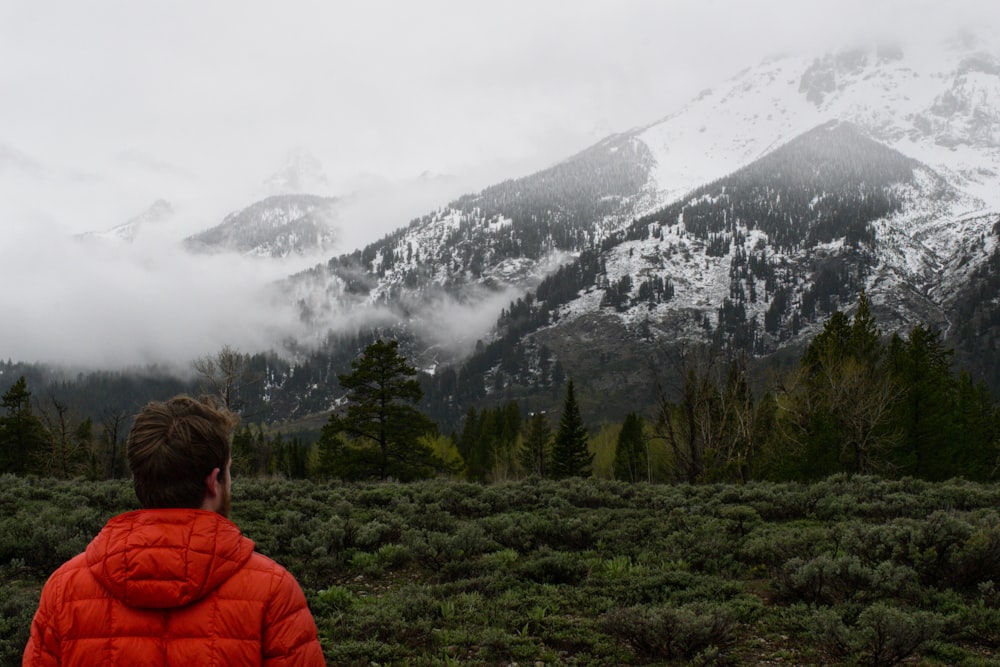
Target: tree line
{"x":856,"y":402}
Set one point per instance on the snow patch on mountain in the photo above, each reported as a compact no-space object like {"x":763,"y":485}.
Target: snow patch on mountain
{"x":275,"y":227}
{"x":942,"y":111}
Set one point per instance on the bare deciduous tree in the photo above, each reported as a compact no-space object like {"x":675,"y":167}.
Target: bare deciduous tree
{"x":225,"y":375}
{"x":68,"y":438}
{"x":112,"y":442}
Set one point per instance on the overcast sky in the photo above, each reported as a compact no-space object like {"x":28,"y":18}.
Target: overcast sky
{"x":106,"y":106}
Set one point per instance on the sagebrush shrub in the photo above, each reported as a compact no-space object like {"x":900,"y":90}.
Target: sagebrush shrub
{"x":670,"y":633}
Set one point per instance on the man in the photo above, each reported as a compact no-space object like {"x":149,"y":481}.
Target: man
{"x":174,"y":583}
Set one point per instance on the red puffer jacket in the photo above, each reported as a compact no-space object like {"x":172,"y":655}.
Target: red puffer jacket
{"x":172,"y":587}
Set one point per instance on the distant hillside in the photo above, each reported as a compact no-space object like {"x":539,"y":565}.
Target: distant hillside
{"x":277,"y":226}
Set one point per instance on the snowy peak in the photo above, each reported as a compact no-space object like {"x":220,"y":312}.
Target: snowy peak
{"x":826,"y":184}
{"x":158,"y":213}
{"x":755,"y":262}
{"x":968,"y":111}
{"x":925,"y":107}
{"x":823,"y":77}
{"x":276,"y":227}
{"x":302,"y":172}
{"x":833,"y":157}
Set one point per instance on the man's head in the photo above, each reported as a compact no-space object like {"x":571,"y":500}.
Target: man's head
{"x":177,"y":450}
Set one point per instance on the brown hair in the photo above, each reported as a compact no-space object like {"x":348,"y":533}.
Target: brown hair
{"x":173,"y":446}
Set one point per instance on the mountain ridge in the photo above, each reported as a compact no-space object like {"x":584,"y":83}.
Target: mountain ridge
{"x":741,"y":221}
{"x":853,"y":130}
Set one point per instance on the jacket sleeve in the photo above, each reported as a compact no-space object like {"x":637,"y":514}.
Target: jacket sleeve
{"x":290,"y":637}
{"x":43,"y":642}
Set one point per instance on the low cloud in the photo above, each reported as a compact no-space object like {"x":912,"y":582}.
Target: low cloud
{"x":108,"y":304}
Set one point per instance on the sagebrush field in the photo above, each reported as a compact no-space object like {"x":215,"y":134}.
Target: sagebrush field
{"x":848,"y":570}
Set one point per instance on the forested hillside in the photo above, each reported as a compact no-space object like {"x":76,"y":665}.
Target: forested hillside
{"x":504,"y":236}
{"x":792,"y":235}
{"x":975,"y":327}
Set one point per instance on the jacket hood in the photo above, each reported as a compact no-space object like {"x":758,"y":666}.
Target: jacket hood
{"x":166,"y":558}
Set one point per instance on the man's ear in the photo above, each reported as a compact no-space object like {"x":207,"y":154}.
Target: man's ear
{"x":213,"y":486}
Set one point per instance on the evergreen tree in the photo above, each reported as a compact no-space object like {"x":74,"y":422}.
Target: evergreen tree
{"x":977,"y":429}
{"x":488,"y":442}
{"x":536,"y":449}
{"x":508,"y":418}
{"x":630,"y":452}
{"x":570,"y":455}
{"x":382,"y":426}
{"x":924,"y":412}
{"x":865,"y":339}
{"x":23,"y":437}
{"x":244,"y":453}
{"x":471,"y":447}
{"x":290,"y":458}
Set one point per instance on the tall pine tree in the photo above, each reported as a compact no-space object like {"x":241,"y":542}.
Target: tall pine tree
{"x":22,"y":435}
{"x":630,"y":452}
{"x":570,"y":454}
{"x":925,"y":411}
{"x":535,"y":451}
{"x":383,"y":429}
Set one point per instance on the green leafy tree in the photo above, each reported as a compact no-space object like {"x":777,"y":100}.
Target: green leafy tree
{"x":630,"y":451}
{"x":570,"y":454}
{"x":535,"y":454}
{"x":381,"y":426}
{"x":23,"y":438}
{"x":839,"y":407}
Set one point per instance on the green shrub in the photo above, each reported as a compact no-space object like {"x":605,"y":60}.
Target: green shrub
{"x":377,"y":532}
{"x":824,"y":579}
{"x":588,"y":572}
{"x":18,"y":602}
{"x":331,"y":600}
{"x":772,"y":545}
{"x":883,"y":634}
{"x":368,"y":564}
{"x":977,"y":560}
{"x":553,"y":567}
{"x":671,"y":633}
{"x":393,"y":555}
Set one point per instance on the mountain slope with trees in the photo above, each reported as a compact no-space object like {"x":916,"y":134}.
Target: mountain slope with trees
{"x":751,"y":263}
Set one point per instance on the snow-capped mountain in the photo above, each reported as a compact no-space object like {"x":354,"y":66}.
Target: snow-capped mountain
{"x":157,"y":214}
{"x":761,"y":257}
{"x":301,"y":173}
{"x":745,"y":218}
{"x":277,"y":226}
{"x":942,"y":109}
{"x":474,"y":255}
